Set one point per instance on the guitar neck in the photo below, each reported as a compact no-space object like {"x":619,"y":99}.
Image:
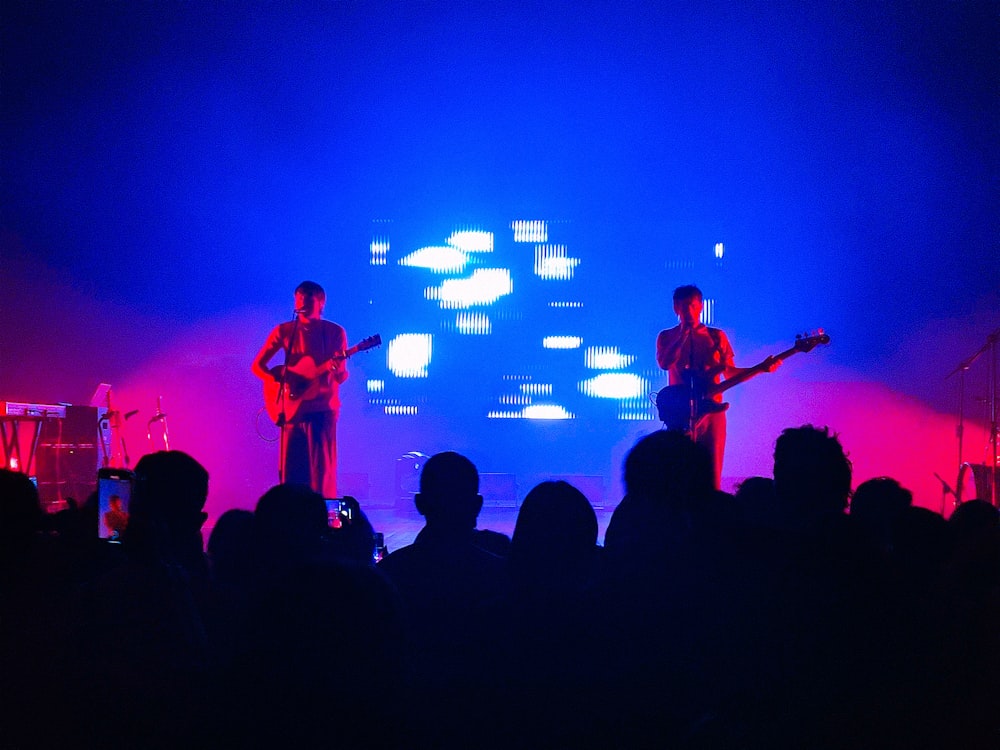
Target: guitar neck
{"x":750,"y":372}
{"x":361,"y":346}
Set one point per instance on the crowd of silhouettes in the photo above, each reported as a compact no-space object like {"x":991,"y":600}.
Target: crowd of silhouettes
{"x":794,"y":613}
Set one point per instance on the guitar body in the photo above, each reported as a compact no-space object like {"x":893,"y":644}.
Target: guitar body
{"x":303,"y":381}
{"x":673,"y":405}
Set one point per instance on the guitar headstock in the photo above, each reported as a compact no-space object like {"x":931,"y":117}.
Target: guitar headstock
{"x":369,"y":343}
{"x":806,"y":342}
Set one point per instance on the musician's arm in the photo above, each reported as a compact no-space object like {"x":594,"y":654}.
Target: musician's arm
{"x":727,"y":368}
{"x":668,"y":348}
{"x":768,"y":365}
{"x":339,"y":365}
{"x":340,"y":370}
{"x":270,"y":348}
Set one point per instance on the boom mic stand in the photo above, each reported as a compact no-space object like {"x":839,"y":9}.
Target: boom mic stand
{"x":158,"y":417}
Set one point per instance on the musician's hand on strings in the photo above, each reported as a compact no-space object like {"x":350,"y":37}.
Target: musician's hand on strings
{"x":338,"y":366}
{"x":771,"y":364}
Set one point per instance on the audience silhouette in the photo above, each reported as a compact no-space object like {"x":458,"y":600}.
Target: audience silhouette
{"x":793,"y":614}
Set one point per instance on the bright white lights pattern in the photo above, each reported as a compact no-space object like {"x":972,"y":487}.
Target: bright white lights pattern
{"x":566,"y":304}
{"x":436,"y":258}
{"x":472,"y":323}
{"x":379,"y":251}
{"x":530,"y":231}
{"x":408,"y":355}
{"x":561,"y":342}
{"x":537,"y":389}
{"x":376,"y":386}
{"x":607,"y":358}
{"x":551,"y":262}
{"x":618,"y":385}
{"x":484,"y":287}
{"x":472,"y":241}
{"x":719,"y":250}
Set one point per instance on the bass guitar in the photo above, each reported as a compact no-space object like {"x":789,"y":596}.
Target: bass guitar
{"x":302,"y":381}
{"x":678,"y":405}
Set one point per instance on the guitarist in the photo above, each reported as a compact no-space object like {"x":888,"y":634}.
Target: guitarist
{"x":695,"y":355}
{"x":308,"y":452}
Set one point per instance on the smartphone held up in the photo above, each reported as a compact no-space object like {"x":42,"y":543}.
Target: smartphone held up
{"x":114,"y":495}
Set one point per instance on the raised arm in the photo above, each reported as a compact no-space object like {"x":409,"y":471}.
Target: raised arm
{"x":668,"y":346}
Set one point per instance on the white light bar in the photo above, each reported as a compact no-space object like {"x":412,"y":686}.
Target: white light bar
{"x":530,"y":231}
{"x":400,"y":411}
{"x":473,"y":323}
{"x":540,"y":411}
{"x":472,"y":241}
{"x":537,"y":389}
{"x":561,"y":342}
{"x":440,"y":259}
{"x":545,"y":411}
{"x":607,"y":358}
{"x":618,"y":385}
{"x":551,"y":262}
{"x":376,"y":386}
{"x":515,"y":400}
{"x":409,"y":354}
{"x":379,"y":252}
{"x":627,"y":415}
{"x":484,"y":287}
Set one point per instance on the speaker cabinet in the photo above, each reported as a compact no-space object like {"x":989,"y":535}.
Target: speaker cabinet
{"x":67,"y":458}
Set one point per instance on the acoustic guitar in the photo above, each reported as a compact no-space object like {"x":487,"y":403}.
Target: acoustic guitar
{"x":303,"y":380}
{"x":674,"y":403}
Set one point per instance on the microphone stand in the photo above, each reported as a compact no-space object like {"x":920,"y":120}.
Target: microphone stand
{"x":946,"y":490}
{"x":991,"y":341}
{"x":962,"y":367}
{"x":692,"y":393}
{"x":282,"y":421}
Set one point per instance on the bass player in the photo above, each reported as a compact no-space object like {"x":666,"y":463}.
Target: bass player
{"x":308,"y":416}
{"x":696,"y":356}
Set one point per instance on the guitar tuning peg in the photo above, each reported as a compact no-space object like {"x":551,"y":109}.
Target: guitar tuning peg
{"x":798,"y":336}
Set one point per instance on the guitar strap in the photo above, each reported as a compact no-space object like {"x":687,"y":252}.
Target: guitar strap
{"x":716,"y":339}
